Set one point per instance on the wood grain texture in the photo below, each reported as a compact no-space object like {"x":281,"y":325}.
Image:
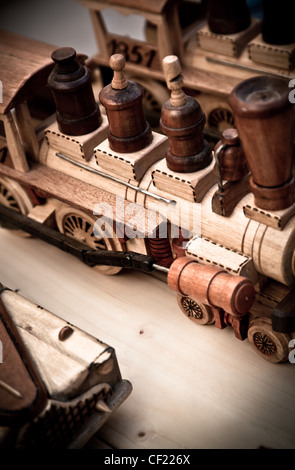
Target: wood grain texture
{"x":168,"y":387}
{"x":26,"y":56}
{"x":56,"y":185}
{"x":132,"y":165}
{"x":81,"y":147}
{"x":273,"y":55}
{"x":228,"y":44}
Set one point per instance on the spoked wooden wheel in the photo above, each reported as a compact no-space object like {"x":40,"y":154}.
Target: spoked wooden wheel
{"x":80,"y":226}
{"x":271,"y":345}
{"x":12,"y":195}
{"x":220,"y":119}
{"x":197,"y":312}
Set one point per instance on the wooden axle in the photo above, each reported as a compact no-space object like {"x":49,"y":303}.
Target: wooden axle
{"x":212,"y":286}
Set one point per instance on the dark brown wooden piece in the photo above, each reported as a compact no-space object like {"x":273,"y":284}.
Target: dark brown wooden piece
{"x":238,"y":324}
{"x":179,"y":243}
{"x":183,"y":120}
{"x":160,"y":250}
{"x":264,"y":118}
{"x":224,"y":202}
{"x":77,"y":112}
{"x":22,"y":393}
{"x":232,"y":161}
{"x":278,"y":22}
{"x":128,"y":129}
{"x":228,"y":16}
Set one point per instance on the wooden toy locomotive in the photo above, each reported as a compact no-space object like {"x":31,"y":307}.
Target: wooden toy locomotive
{"x":108,"y":189}
{"x":219,"y":44}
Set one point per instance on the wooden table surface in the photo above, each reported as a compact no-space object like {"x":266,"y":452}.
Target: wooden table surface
{"x":194,"y":387}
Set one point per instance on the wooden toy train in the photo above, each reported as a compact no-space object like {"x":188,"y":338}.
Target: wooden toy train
{"x":218,"y":42}
{"x":58,"y":385}
{"x":108,"y":189}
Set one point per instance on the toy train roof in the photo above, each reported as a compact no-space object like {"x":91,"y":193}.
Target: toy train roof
{"x":151,"y":6}
{"x":24,"y":63}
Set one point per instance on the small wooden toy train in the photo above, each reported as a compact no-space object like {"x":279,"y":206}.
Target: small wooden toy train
{"x":95,"y":180}
{"x":58,"y":385}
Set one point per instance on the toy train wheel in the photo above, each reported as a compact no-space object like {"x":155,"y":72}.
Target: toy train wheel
{"x":271,"y":345}
{"x":220,"y":119}
{"x":80,"y":226}
{"x":12,"y":195}
{"x":197,"y":312}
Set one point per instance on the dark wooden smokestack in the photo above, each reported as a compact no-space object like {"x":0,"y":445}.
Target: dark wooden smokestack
{"x":264,"y":118}
{"x":228,"y":16}
{"x":77,"y":112}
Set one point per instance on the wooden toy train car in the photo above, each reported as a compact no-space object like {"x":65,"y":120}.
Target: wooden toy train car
{"x":219,"y":44}
{"x":58,"y":385}
{"x":108,"y":189}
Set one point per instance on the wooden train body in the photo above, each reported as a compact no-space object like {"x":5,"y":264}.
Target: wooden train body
{"x":119,"y":201}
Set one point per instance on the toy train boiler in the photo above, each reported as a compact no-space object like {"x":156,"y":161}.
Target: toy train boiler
{"x":221,"y":224}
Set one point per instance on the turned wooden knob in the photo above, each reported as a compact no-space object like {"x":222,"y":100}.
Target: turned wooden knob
{"x":231,"y":158}
{"x":174,"y":80}
{"x":128,"y":129}
{"x":183,"y":120}
{"x":211,"y":286}
{"x":228,"y":16}
{"x":264,"y":118}
{"x":117,"y":63}
{"x":77,"y":112}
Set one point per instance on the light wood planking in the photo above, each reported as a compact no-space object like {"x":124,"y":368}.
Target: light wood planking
{"x":193,"y":386}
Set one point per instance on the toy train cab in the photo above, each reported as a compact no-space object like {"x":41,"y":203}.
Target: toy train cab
{"x":98,"y":183}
